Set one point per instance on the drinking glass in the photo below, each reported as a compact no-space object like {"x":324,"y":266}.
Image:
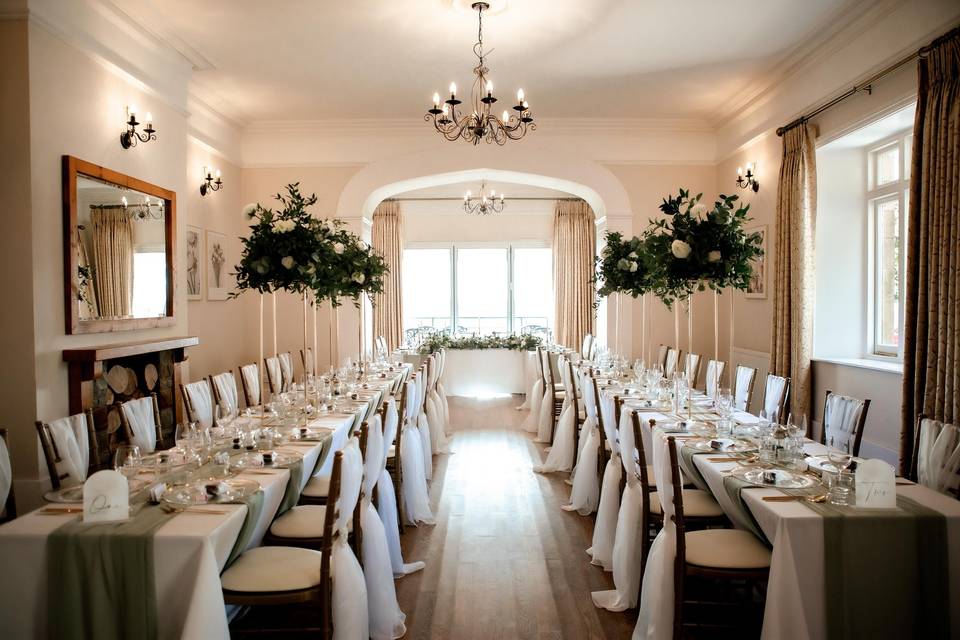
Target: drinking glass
{"x":184,"y":435}
{"x":127,"y":460}
{"x":840,"y":456}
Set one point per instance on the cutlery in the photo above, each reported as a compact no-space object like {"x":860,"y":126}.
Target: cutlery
{"x":818,"y":498}
{"x":189,"y":510}
{"x":724,"y":459}
{"x":56,"y":511}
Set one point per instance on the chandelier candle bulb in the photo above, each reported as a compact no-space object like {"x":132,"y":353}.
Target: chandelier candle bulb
{"x":453,"y":89}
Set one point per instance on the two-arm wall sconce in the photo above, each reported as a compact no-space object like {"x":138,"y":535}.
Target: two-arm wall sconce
{"x":130,"y":137}
{"x":748,"y":180}
{"x":211,"y":181}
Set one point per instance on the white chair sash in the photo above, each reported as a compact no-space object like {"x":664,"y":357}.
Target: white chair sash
{"x":742,"y":387}
{"x":561,"y":454}
{"x":70,"y":438}
{"x":609,"y":410}
{"x":6,"y":474}
{"x":585,"y":495}
{"x":251,"y":378}
{"x":416,"y":498}
{"x":938,"y":457}
{"x":226,"y":386}
{"x":840,"y":417}
{"x":690,"y":369}
{"x":139,"y":415}
{"x":673,"y":355}
{"x":350,"y":610}
{"x":605,"y":530}
{"x":274,"y":374}
{"x":713,"y":377}
{"x":201,"y":401}
{"x":535,"y":399}
{"x":776,"y":387}
{"x":286,"y":369}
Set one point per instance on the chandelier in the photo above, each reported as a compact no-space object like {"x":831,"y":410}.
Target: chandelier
{"x":484,"y":204}
{"x":482,"y":123}
{"x":145,"y":210}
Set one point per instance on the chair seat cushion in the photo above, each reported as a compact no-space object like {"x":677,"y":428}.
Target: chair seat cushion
{"x":302,"y":521}
{"x":726,"y":549}
{"x":273,"y":569}
{"x":317,"y":487}
{"x":696,"y":504}
{"x":392,"y":451}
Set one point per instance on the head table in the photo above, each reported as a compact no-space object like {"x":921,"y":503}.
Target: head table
{"x":190,"y":550}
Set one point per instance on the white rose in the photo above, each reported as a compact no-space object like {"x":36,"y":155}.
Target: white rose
{"x":713,"y":256}
{"x":623,"y":264}
{"x":632,"y":255}
{"x":338,"y":248}
{"x":288,"y":262}
{"x":698,"y":209}
{"x":282,"y":226}
{"x":250,"y":209}
{"x":633,"y":267}
{"x":680,"y":249}
{"x":359,"y":278}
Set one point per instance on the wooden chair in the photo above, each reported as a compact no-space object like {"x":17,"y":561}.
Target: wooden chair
{"x":274,"y":374}
{"x":672,"y":362}
{"x":577,"y":401}
{"x":850,"y":408}
{"x":603,"y":452}
{"x":130,"y":406}
{"x":286,"y":370}
{"x":743,"y":387}
{"x":9,"y":511}
{"x":691,"y":369}
{"x":711,"y":383}
{"x":225,"y":396}
{"x":198,"y":400}
{"x":550,"y":387}
{"x":250,"y":381}
{"x":731,"y":556}
{"x":936,"y":450}
{"x":52,"y":453}
{"x":394,"y":461}
{"x":776,"y":392}
{"x":297,"y":576}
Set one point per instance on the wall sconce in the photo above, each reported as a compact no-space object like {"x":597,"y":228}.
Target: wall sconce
{"x":747,"y":180}
{"x":211,"y":181}
{"x":130,"y":137}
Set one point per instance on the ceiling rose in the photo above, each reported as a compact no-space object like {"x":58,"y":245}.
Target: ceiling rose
{"x":482,"y":123}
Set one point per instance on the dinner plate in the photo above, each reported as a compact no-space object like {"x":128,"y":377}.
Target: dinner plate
{"x":781,"y":478}
{"x":255,"y":460}
{"x":65,"y":495}
{"x":821,"y":463}
{"x":210,"y":491}
{"x":727,"y":445}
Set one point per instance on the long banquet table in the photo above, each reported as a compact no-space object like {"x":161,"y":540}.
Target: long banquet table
{"x":190,"y":550}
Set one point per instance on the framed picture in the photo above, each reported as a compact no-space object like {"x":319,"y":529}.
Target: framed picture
{"x":219,"y":281}
{"x":194,"y":271}
{"x":757,"y":288}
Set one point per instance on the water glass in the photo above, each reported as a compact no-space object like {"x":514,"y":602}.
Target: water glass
{"x":841,"y":491}
{"x":184,"y":436}
{"x":768,"y":449}
{"x":724,"y":427}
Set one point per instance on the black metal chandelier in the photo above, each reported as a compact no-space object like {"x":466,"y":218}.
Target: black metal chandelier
{"x":482,"y":123}
{"x":483,"y":204}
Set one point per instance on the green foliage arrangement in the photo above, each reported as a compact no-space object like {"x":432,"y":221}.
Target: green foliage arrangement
{"x":290,"y":250}
{"x":523,"y":342}
{"x":623,"y":266}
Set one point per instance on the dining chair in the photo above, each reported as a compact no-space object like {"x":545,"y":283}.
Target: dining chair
{"x":274,"y":374}
{"x":9,"y":510}
{"x":691,"y":369}
{"x":730,"y":556}
{"x":776,"y":392}
{"x":551,"y":388}
{"x":198,"y":399}
{"x":843,"y":418}
{"x":286,"y":369}
{"x":70,"y":448}
{"x":278,"y":575}
{"x":309,"y":364}
{"x":713,"y":377}
{"x":586,"y":345}
{"x":225,"y":395}
{"x":935,"y":462}
{"x":743,"y":387}
{"x":381,"y":345}
{"x":662,"y":356}
{"x":576,"y":399}
{"x":607,"y":423}
{"x":140,"y":418}
{"x":673,"y":359}
{"x":250,"y":381}
{"x":394,"y":454}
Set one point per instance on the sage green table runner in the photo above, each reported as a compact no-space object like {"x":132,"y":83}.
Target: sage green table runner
{"x":885,"y":571}
{"x":741,"y":514}
{"x":100,"y":578}
{"x":689,"y":469}
{"x":291,"y":496}
{"x":254,"y":504}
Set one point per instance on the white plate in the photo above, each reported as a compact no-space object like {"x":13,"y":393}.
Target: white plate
{"x":783,"y":479}
{"x":822,"y":463}
{"x":193,"y":493}
{"x":728,"y":445}
{"x":254,"y":460}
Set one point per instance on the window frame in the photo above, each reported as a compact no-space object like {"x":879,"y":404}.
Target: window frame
{"x":897,"y":190}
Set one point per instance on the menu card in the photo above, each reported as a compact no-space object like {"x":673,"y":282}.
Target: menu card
{"x":106,"y":497}
{"x":876,"y":488}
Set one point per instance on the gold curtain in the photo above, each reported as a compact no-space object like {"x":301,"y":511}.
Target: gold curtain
{"x":388,"y":240}
{"x":574,"y":248}
{"x":113,"y":260}
{"x":931,"y":355}
{"x":85,"y":289}
{"x":793,"y":282}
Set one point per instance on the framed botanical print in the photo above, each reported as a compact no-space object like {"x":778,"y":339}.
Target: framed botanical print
{"x":219,"y":282}
{"x":194,"y":270}
{"x":757,"y":288}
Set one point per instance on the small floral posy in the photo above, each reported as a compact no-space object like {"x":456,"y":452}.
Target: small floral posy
{"x":523,"y":342}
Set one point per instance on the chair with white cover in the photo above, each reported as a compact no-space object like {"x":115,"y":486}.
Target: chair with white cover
{"x":8,"y":505}
{"x":198,"y":399}
{"x":308,"y":361}
{"x":691,"y":369}
{"x":743,"y":387}
{"x":433,"y":407}
{"x":330,"y":579}
{"x":286,"y":369}
{"x":250,"y":380}
{"x":415,"y":496}
{"x":843,"y":420}
{"x":586,"y":346}
{"x":936,"y":456}
{"x":775,"y":395}
{"x":69,"y":448}
{"x":585,"y":495}
{"x":605,"y":528}
{"x":535,"y":398}
{"x":441,"y":392}
{"x":141,"y":422}
{"x":552,"y":403}
{"x":225,"y":394}
{"x":662,"y":356}
{"x":673,"y":359}
{"x":423,"y":424}
{"x":713,"y":376}
{"x":561,"y":454}
{"x":274,"y":374}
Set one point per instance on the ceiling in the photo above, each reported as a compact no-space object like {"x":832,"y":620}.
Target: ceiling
{"x":261,"y":61}
{"x":519,"y":198}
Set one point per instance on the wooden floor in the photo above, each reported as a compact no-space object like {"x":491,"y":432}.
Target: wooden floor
{"x":503,"y":561}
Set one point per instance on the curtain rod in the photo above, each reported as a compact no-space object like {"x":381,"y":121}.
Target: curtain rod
{"x":507,"y":198}
{"x":867,"y":85}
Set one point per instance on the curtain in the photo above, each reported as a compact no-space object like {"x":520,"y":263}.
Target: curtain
{"x":931,"y":356}
{"x":113,"y":260}
{"x":793,"y":282}
{"x":388,"y":241}
{"x":85,"y":289}
{"x":574,"y":248}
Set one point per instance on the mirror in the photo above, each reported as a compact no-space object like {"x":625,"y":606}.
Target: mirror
{"x":118,"y":250}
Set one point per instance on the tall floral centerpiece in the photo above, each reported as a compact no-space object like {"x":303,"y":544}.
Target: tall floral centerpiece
{"x":624,"y":267}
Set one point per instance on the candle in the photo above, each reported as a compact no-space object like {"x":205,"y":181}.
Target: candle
{"x":453,"y":89}
{"x":520,"y":96}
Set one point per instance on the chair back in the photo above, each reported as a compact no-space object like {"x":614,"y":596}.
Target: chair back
{"x":199,"y":402}
{"x":66,"y":447}
{"x":608,"y":423}
{"x":381,"y":345}
{"x":675,"y":487}
{"x":936,"y":456}
{"x":141,"y":422}
{"x":775,"y":394}
{"x":662,"y":356}
{"x":225,"y":394}
{"x":634,"y":458}
{"x":673,"y":358}
{"x":589,"y":387}
{"x":351,"y":481}
{"x":7,"y":502}
{"x":713,"y":376}
{"x":309,"y":363}
{"x":691,"y":369}
{"x":274,"y":374}
{"x":286,"y":369}
{"x":390,"y":418}
{"x":844,"y":419}
{"x":743,"y":387}
{"x":586,"y":346}
{"x":250,"y":379}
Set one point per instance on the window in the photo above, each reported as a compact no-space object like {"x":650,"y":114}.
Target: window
{"x":887,"y":198}
{"x":478,"y":289}
{"x":149,"y":284}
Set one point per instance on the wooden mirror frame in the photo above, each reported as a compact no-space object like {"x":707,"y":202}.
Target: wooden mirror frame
{"x":72,"y":167}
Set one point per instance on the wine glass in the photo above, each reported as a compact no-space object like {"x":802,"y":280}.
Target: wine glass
{"x":127,"y":460}
{"x":840,"y":456}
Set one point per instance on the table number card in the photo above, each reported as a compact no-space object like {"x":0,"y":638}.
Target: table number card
{"x":876,"y":488}
{"x":106,"y":497}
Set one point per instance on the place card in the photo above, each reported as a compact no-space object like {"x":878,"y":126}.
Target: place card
{"x":106,"y":497}
{"x":875,"y":484}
